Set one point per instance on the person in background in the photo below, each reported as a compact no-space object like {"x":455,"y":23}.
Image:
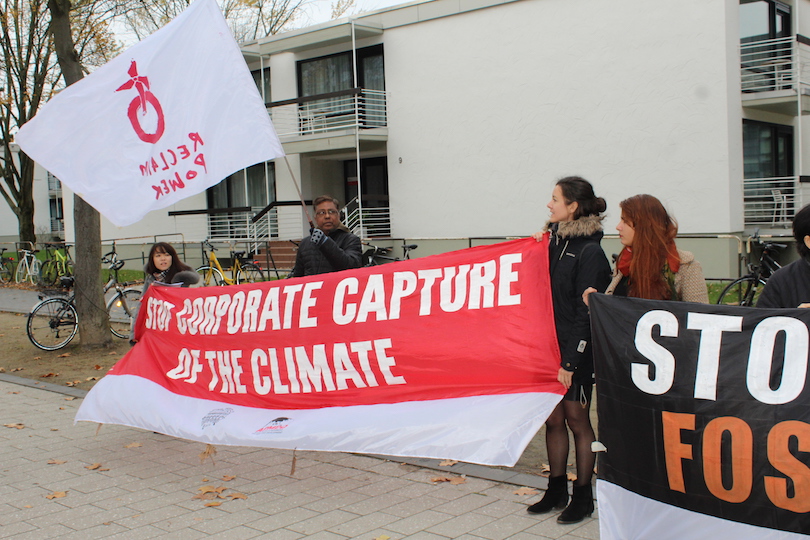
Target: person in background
{"x":164,"y":266}
{"x":576,"y":260}
{"x":650,"y":265}
{"x":789,"y":287}
{"x":330,"y":246}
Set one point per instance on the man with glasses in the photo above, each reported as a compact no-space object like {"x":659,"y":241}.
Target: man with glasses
{"x":330,"y":247}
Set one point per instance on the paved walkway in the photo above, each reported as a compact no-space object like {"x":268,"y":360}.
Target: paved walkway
{"x":60,"y":480}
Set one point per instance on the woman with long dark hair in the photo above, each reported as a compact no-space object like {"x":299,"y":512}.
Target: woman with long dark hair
{"x":164,"y":266}
{"x":576,"y":261}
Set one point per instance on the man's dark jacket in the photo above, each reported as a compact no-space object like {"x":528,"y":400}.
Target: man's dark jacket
{"x":340,"y":251}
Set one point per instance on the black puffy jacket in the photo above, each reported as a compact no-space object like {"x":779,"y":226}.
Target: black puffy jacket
{"x":341,"y":251}
{"x":576,"y":262}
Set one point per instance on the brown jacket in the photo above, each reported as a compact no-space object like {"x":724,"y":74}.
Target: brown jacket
{"x":689,"y":281}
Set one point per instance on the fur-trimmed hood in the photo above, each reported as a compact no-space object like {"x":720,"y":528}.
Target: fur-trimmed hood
{"x":584,"y":226}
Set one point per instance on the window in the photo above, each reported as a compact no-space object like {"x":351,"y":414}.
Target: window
{"x":262,"y":79}
{"x":334,"y":73}
{"x":764,"y":19}
{"x":254,"y":187}
{"x":767,"y":150}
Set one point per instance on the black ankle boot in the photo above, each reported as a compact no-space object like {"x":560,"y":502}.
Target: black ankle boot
{"x":581,"y":505}
{"x":556,"y":496}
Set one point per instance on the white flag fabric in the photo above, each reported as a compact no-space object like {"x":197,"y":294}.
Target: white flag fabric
{"x":170,"y":117}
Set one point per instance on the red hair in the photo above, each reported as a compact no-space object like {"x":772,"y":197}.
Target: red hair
{"x":653,"y":247}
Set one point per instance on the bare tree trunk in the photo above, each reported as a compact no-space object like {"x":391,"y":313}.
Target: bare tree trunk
{"x":94,"y":330}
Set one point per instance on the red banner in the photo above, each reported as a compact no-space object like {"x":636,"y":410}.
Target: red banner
{"x":467,"y":324}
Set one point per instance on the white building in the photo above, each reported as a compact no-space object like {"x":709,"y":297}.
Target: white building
{"x":461,"y":114}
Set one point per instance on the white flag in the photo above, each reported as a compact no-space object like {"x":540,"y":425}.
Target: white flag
{"x":170,"y":117}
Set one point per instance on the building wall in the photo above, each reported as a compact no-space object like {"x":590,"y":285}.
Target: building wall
{"x":488,"y":108}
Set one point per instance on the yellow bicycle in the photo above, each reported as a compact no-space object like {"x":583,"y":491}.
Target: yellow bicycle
{"x":213,"y":274}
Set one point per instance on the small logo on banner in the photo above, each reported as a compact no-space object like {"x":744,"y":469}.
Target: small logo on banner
{"x":274,"y":426}
{"x":215,"y":416}
{"x":140,"y":106}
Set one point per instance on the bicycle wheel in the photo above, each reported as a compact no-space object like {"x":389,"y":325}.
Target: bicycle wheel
{"x":52,"y":324}
{"x":122,"y":310}
{"x":6,"y":271}
{"x":210,"y":276}
{"x":36,"y":272}
{"x":50,"y":272}
{"x":250,"y":273}
{"x":744,"y":291}
{"x":22,"y":271}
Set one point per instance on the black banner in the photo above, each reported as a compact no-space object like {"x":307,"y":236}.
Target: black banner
{"x":706,"y":407}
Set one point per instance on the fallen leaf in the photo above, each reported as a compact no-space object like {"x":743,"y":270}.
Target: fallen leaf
{"x":133,"y":445}
{"x":51,"y":374}
{"x":73,"y":383}
{"x":205,"y":496}
{"x":16,"y":426}
{"x":64,"y":355}
{"x":227,"y":478}
{"x":56,"y":495}
{"x":453,"y":480}
{"x":3,"y":370}
{"x":237,"y":496}
{"x":447,"y":463}
{"x":91,"y":379}
{"x":56,"y":462}
{"x":93,"y":467}
{"x":54,"y":429}
{"x":37,"y":358}
{"x":98,"y":367}
{"x":27,"y":506}
{"x":207,"y":489}
{"x":17,"y":369}
{"x":103,"y":469}
{"x":71,"y":398}
{"x":213,"y":503}
{"x":13,"y":392}
{"x":61,"y":408}
{"x":205,"y":480}
{"x":111,"y":353}
{"x":525,"y":491}
{"x":572,"y":477}
{"x":15,"y":327}
{"x":383,"y":537}
{"x":210,"y":451}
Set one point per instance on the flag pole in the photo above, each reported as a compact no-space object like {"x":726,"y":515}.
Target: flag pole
{"x":298,"y":189}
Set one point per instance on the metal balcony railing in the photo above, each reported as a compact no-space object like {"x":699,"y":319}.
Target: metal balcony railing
{"x":376,"y":222}
{"x":772,"y":202}
{"x":775,"y":64}
{"x":351,"y":109}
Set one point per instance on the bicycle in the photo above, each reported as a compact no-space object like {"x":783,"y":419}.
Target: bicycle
{"x":122,"y":307}
{"x":745,"y":291}
{"x":28,"y":269}
{"x":377,"y":255}
{"x":56,"y":263}
{"x":54,"y":321}
{"x":241,"y":272}
{"x":6,"y":267}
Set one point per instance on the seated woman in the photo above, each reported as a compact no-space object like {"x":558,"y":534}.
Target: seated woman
{"x":650,"y":265}
{"x":789,"y":287}
{"x":164,"y":267}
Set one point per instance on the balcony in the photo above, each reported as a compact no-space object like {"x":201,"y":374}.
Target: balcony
{"x":772,"y":202}
{"x":316,"y":123}
{"x":775,"y":75}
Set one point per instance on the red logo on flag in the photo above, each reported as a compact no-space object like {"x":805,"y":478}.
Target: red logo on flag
{"x":152,"y":118}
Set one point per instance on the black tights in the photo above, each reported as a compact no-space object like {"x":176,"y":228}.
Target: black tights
{"x":578,"y":420}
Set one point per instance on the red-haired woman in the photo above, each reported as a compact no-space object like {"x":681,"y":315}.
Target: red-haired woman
{"x":650,"y":265}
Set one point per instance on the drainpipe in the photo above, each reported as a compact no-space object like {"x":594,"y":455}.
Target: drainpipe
{"x":357,"y":133}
